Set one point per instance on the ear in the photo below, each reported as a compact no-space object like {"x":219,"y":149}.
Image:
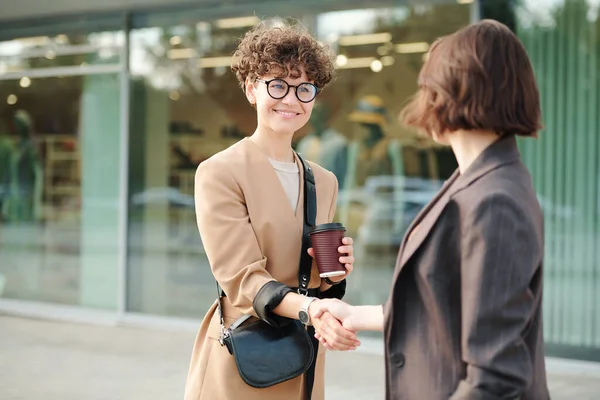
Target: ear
{"x":250,"y":91}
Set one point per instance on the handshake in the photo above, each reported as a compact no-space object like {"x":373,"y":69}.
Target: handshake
{"x":335,"y":324}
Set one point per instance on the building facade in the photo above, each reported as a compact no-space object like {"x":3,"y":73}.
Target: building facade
{"x":108,"y":108}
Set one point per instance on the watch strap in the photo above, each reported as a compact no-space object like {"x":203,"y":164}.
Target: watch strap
{"x":332,"y":283}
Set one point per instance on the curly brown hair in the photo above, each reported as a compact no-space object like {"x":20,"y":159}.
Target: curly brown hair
{"x":282,"y":48}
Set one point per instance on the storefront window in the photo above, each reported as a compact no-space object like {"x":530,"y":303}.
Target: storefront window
{"x":562,"y":38}
{"x":59,"y":170}
{"x":187,"y":105}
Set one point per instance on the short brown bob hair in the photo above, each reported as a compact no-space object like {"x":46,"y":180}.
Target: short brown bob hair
{"x":282,"y":47}
{"x":478,"y":78}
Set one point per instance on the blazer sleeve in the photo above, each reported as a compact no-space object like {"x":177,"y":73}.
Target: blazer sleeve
{"x":231,"y":246}
{"x":500,"y":255}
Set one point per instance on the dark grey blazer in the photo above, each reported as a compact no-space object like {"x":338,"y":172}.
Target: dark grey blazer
{"x":464,"y":316}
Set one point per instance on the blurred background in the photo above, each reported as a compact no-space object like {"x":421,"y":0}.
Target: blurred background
{"x":107,"y":108}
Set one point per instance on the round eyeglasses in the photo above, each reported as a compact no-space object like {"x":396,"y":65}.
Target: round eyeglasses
{"x":278,"y":89}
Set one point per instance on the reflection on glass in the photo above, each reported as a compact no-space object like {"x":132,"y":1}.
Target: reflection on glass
{"x":187,"y":105}
{"x":323,"y":144}
{"x":59,"y":141}
{"x":60,"y":51}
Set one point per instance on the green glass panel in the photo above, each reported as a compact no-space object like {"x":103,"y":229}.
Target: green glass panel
{"x":562,"y":41}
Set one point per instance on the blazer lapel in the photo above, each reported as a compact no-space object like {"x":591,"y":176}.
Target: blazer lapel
{"x":423,"y":222}
{"x":501,"y":152}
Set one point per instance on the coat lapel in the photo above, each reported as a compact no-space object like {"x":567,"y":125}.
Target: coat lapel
{"x":423,"y":222}
{"x":273,"y":195}
{"x":501,"y":152}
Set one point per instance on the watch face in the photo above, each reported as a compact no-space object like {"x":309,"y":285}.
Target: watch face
{"x":304,"y":317}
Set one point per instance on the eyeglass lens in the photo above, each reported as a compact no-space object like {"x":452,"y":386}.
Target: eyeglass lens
{"x":278,"y":89}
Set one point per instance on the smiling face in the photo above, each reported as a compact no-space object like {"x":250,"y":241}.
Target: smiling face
{"x":281,"y":116}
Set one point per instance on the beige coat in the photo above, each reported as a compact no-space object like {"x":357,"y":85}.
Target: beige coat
{"x":251,"y":236}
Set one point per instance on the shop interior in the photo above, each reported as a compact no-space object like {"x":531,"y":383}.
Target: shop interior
{"x":186,"y":105}
{"x":387,"y":173}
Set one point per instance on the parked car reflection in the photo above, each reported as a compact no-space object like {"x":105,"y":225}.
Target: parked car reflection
{"x":388,"y":205}
{"x":162,"y":196}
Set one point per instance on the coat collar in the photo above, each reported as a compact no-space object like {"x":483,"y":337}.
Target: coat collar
{"x":503,"y":151}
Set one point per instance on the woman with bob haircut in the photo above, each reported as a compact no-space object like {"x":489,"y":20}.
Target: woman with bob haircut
{"x":250,"y":214}
{"x":464,"y":316}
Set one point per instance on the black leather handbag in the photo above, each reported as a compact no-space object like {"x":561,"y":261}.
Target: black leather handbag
{"x":265,"y":354}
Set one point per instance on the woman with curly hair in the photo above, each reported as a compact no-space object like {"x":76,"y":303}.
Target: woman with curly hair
{"x":250,"y":209}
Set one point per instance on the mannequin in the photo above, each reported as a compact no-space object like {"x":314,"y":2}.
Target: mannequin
{"x":371,"y":201}
{"x":6,"y":152}
{"x":373,"y":157}
{"x":24,"y":199}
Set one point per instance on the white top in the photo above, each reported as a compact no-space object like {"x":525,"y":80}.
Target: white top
{"x":289,"y":176}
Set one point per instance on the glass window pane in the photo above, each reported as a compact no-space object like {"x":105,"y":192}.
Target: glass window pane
{"x":59,"y":181}
{"x":562,"y":39}
{"x":59,"y":51}
{"x":187,"y":105}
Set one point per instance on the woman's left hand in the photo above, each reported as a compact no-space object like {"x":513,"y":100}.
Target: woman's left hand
{"x":346,"y":258}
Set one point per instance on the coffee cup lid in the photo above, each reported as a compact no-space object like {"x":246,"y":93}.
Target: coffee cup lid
{"x":334,"y":226}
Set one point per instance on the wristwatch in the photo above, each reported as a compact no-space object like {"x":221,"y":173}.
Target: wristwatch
{"x":303,"y":314}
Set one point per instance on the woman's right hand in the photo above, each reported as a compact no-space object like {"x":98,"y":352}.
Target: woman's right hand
{"x":334,"y":325}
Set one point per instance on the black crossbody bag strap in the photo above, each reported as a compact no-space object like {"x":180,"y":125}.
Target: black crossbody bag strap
{"x":310,"y":215}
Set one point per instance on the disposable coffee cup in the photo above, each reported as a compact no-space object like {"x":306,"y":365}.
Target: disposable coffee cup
{"x":326,"y":238}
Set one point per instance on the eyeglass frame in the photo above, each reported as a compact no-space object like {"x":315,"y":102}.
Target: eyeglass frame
{"x":317,"y":90}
